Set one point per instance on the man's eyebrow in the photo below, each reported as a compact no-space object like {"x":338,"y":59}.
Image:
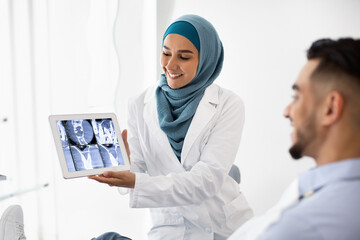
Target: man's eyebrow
{"x":181,"y":51}
{"x":295,"y":87}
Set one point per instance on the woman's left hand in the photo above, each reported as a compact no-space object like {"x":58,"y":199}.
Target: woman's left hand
{"x":120,"y":179}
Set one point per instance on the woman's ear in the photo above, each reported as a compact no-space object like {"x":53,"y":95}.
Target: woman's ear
{"x":332,"y":108}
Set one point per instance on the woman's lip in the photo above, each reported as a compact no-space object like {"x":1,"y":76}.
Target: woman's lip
{"x":174,"y":76}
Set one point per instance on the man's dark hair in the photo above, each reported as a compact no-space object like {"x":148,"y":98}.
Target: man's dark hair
{"x":340,"y":65}
{"x":337,"y":56}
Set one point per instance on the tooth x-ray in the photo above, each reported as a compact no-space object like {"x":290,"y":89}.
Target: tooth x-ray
{"x":89,"y":144}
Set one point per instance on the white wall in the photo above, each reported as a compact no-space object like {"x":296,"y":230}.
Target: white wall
{"x":91,"y":74}
{"x":24,"y":101}
{"x":59,"y":57}
{"x":54,"y":55}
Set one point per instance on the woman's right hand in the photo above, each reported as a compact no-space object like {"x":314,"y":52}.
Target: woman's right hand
{"x":120,"y":179}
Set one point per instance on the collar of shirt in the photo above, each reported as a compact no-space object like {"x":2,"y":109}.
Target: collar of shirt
{"x":318,"y":177}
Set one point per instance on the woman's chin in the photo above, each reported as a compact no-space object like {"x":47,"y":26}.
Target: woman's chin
{"x":174,"y":85}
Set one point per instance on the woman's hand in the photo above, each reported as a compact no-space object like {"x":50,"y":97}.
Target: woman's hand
{"x":120,"y":179}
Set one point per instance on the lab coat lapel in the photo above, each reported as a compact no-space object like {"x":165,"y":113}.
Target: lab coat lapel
{"x":151,"y":119}
{"x":204,"y":113}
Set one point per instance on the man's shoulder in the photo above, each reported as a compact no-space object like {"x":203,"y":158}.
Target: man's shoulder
{"x":340,"y":199}
{"x":333,"y":212}
{"x":292,"y":226}
{"x":345,"y":192}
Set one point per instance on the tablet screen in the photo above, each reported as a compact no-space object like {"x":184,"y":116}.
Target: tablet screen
{"x":89,"y":144}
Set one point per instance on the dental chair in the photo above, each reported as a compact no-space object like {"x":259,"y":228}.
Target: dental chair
{"x":235,"y":173}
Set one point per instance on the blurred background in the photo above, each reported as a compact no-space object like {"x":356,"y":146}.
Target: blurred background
{"x":78,"y":56}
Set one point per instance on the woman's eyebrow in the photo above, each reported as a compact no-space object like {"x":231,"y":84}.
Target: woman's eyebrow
{"x":185,"y":51}
{"x":181,"y":50}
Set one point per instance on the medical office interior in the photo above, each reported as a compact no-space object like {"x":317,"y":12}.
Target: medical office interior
{"x":81,"y":56}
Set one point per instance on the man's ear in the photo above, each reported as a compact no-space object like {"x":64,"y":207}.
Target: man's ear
{"x":332,"y":108}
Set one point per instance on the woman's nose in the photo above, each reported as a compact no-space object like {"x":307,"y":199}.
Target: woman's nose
{"x":172,"y":64}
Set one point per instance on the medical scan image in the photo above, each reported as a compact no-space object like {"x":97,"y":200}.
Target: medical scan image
{"x":89,"y":144}
{"x":109,"y":147}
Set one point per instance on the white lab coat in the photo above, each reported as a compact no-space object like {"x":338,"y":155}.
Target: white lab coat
{"x":194,"y":199}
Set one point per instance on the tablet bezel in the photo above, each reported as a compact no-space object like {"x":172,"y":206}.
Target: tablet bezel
{"x":83,"y":173}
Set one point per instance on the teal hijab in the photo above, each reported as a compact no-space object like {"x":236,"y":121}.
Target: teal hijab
{"x":176,"y":107}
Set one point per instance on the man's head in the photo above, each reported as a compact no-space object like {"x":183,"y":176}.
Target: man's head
{"x":326,"y":102}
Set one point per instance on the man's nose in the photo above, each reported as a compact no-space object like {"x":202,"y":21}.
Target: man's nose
{"x":287,"y":111}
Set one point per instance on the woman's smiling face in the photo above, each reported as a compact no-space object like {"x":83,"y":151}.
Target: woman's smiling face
{"x":179,"y":60}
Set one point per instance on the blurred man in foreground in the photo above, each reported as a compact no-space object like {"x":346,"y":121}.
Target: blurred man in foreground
{"x":323,"y":203}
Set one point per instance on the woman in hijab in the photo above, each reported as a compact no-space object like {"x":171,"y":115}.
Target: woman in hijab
{"x":184,"y":134}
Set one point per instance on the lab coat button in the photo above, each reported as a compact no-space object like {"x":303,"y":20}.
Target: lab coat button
{"x":208,"y":230}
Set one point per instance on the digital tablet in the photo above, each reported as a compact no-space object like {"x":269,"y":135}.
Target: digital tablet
{"x":88,"y":144}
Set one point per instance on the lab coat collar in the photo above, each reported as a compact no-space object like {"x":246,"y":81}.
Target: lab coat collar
{"x":205,"y":111}
{"x":150,"y":94}
{"x":211,"y":94}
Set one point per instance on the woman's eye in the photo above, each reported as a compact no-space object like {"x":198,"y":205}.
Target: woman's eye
{"x":166,"y":54}
{"x":184,"y":58}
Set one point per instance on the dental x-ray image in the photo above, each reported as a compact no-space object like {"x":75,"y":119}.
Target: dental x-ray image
{"x":89,"y":144}
{"x":65,"y":146}
{"x":109,"y":147}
